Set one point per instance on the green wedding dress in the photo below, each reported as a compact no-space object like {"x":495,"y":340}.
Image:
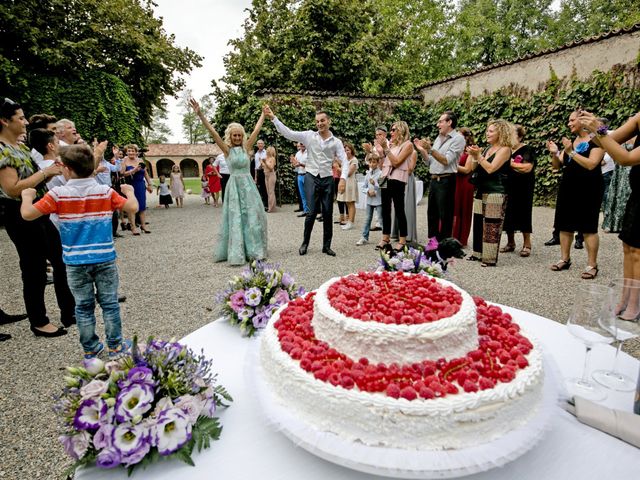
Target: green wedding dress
{"x":243,"y":233}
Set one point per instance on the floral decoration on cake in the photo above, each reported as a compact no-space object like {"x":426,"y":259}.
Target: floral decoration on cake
{"x":499,"y":356}
{"x":414,"y":259}
{"x":254,"y":295}
{"x":155,"y":403}
{"x":391,"y":298}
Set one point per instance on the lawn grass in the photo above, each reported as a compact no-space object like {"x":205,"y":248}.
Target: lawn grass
{"x":189,"y":183}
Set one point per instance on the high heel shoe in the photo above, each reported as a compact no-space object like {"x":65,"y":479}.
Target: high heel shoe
{"x":40,"y":333}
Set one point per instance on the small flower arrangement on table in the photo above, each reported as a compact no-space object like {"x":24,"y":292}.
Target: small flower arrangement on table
{"x":256,"y":294}
{"x":157,"y":402}
{"x":414,"y":260}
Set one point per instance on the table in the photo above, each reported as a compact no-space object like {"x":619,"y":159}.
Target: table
{"x":249,"y":448}
{"x":362,"y":197}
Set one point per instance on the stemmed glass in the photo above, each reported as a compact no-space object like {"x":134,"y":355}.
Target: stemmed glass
{"x":627,"y":306}
{"x":591,"y":321}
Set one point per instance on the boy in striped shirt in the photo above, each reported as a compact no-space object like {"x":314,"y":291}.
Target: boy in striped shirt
{"x":84,"y":209}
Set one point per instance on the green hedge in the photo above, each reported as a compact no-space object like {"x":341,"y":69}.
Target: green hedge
{"x":544,"y":114}
{"x":98,"y":103}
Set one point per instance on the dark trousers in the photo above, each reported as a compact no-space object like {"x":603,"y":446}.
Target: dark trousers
{"x":36,"y":242}
{"x":262,"y":187}
{"x":319,"y":190}
{"x":394,"y":193}
{"x":223,"y":182}
{"x":342,"y":206}
{"x":114,"y":222}
{"x":442,"y":197}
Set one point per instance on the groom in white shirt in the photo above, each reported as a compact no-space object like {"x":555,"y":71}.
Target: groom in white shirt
{"x":322,"y":148}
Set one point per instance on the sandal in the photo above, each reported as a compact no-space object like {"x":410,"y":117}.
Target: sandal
{"x":473,"y":258}
{"x":485,"y":264}
{"x":509,"y":247}
{"x":561,"y":265}
{"x":589,"y":273}
{"x":525,"y":252}
{"x":382,"y":244}
{"x":400,"y":247}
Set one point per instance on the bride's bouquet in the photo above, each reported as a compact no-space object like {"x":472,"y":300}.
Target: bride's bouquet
{"x":256,"y":294}
{"x":157,"y":402}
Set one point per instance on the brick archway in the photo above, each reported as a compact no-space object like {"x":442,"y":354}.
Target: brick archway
{"x":189,"y":167}
{"x":163,"y":166}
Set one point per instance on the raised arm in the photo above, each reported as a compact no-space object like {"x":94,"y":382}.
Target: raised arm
{"x":610,"y":142}
{"x":255,"y":133}
{"x":216,"y":137}
{"x":302,"y":137}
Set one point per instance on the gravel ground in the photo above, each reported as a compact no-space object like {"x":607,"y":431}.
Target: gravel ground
{"x":170,"y":282}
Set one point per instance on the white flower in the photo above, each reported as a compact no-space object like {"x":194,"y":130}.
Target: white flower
{"x":190,"y":405}
{"x":131,"y":441}
{"x":133,"y":400}
{"x":93,"y":365}
{"x":94,"y":388}
{"x":164,"y":403}
{"x":208,"y":402}
{"x":102,"y":438}
{"x":172,"y":431}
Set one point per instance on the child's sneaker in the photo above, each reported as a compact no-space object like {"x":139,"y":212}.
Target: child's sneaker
{"x":95,"y":353}
{"x":347,"y":226}
{"x":121,"y":350}
{"x":362,"y":241}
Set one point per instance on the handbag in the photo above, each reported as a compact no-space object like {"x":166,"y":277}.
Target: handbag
{"x":383,"y":180}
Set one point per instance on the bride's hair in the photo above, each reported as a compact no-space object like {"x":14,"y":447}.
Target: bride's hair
{"x":227,"y":135}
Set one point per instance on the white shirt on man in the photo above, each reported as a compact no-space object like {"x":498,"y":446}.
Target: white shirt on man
{"x":320,"y":152}
{"x":451,"y":146}
{"x":260,"y":155}
{"x":301,"y":157}
{"x":221,"y":163}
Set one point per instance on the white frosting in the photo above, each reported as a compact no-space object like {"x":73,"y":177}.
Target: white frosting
{"x":452,"y":422}
{"x":380,"y":342}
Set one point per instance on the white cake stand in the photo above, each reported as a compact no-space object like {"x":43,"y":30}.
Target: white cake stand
{"x":399,"y":463}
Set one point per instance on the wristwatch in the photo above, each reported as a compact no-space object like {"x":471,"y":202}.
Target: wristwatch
{"x":572,"y":154}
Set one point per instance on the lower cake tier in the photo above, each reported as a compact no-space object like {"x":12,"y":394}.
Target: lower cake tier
{"x":452,"y":419}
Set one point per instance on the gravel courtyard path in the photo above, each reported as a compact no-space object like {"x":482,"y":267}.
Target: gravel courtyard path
{"x":170,"y":282}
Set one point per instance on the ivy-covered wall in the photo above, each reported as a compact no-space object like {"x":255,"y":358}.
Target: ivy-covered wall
{"x":100,"y":104}
{"x":544,"y":114}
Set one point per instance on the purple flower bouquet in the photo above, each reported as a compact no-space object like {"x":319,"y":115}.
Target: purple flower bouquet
{"x":255,"y":295}
{"x":157,"y":402}
{"x":412,"y":260}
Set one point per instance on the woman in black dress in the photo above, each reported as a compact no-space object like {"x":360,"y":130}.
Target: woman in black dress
{"x":520,"y":185}
{"x":579,"y":194}
{"x":629,"y":307}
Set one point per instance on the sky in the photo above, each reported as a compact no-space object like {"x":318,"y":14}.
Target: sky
{"x":205,"y":26}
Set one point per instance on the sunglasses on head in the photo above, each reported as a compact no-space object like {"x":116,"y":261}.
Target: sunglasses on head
{"x":7,"y":102}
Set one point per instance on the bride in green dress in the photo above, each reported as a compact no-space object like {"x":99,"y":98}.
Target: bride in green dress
{"x":243,"y":234}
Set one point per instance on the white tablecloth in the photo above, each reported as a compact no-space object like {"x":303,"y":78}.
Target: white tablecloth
{"x":250,"y":449}
{"x":362,"y":197}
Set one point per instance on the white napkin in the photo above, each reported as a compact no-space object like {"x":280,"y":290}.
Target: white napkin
{"x":623,"y":425}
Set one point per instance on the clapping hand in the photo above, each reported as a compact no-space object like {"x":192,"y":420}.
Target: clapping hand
{"x":552,"y":147}
{"x":422,"y":143}
{"x":589,"y":121}
{"x":568,"y":144}
{"x":474,"y":151}
{"x":367,"y":148}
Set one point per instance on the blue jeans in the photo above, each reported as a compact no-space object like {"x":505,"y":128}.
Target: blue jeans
{"x":367,"y":221}
{"x":82,"y":279}
{"x":305,"y":208}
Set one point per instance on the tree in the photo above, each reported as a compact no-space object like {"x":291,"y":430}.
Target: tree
{"x":68,"y":37}
{"x":192,"y":128}
{"x":158,"y":131}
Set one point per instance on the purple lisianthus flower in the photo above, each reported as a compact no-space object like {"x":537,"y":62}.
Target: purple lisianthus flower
{"x":208,"y":402}
{"x":300,"y":292}
{"x":190,"y":405}
{"x":245,"y":313}
{"x":75,"y":445}
{"x":406,"y":265}
{"x":287,"y":280}
{"x":236,"y":301}
{"x":94,"y":388}
{"x":93,"y":365}
{"x":281,"y":297}
{"x":141,"y":376}
{"x":260,"y":320}
{"x":108,"y":458}
{"x":132,"y":442}
{"x":253,"y":296}
{"x":172,"y":431}
{"x":89,"y":413}
{"x":102,"y":438}
{"x":133,"y":400}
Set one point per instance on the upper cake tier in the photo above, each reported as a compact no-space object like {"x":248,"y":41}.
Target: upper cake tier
{"x":395,"y":317}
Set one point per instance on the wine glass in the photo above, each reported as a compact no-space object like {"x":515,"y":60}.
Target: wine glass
{"x":626,"y":293}
{"x":591,"y":321}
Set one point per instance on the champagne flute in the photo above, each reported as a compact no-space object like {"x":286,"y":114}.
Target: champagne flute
{"x":627,"y":292}
{"x":592,"y":322}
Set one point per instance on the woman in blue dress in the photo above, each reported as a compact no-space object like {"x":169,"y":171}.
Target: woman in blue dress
{"x":135,"y":173}
{"x":243,"y":234}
